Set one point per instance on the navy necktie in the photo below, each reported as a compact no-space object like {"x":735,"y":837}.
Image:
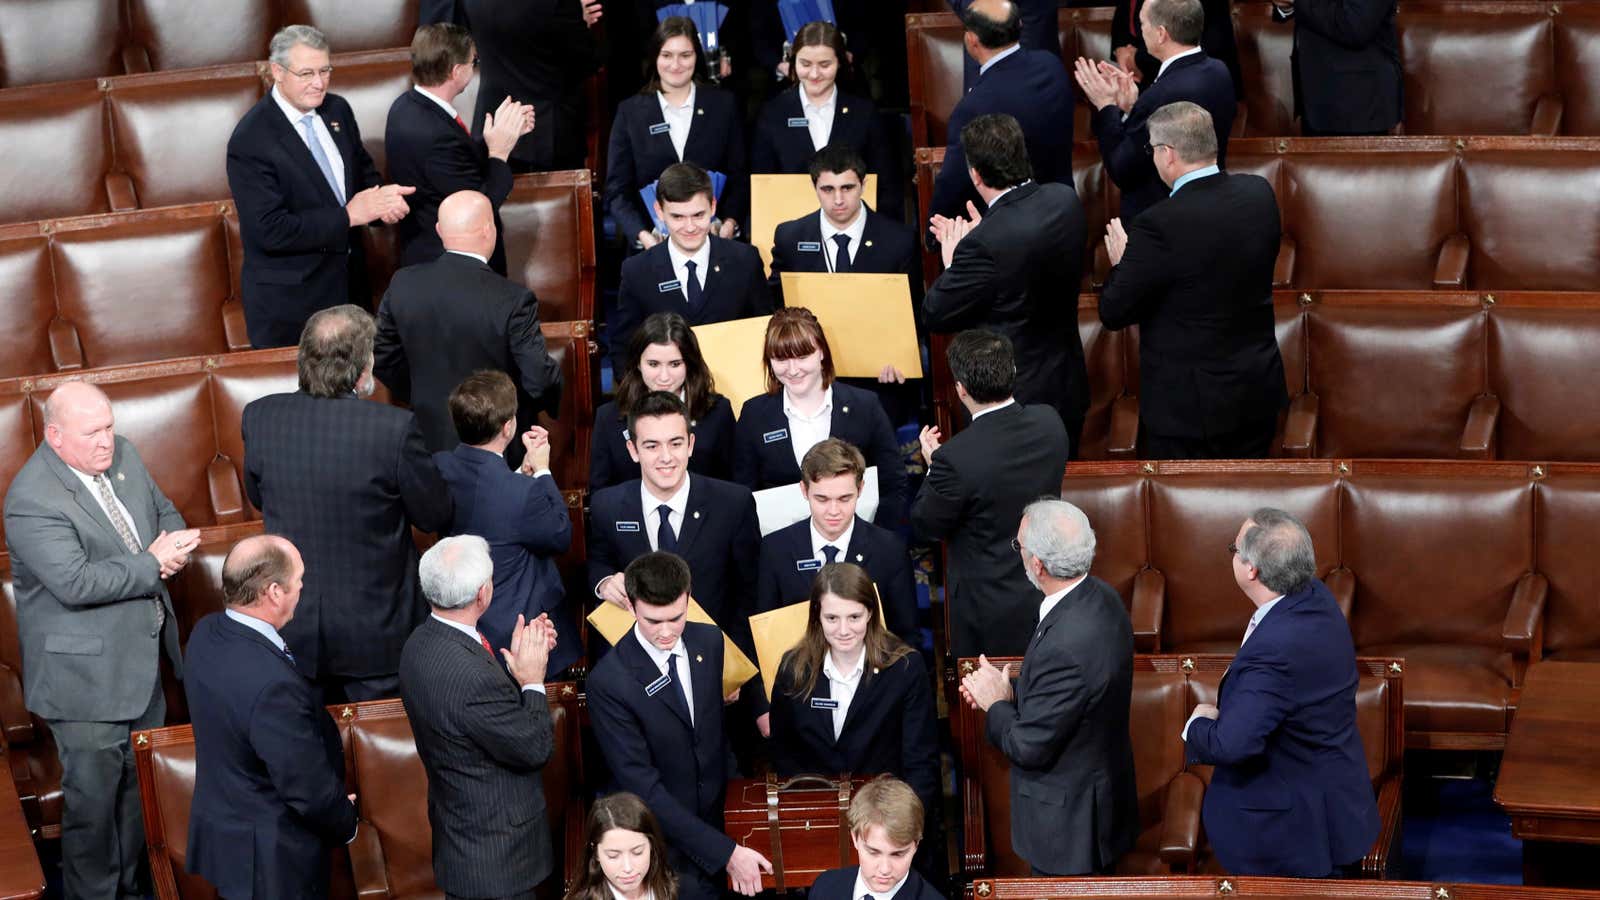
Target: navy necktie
{"x":831,"y":552}
{"x":691,"y":284}
{"x":682,"y":687}
{"x":841,"y":258}
{"x":666,"y":539}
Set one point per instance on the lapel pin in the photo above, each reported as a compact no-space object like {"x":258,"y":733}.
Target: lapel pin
{"x":869,"y":243}
{"x":716,"y":268}
{"x":334,"y":125}
{"x":119,"y":477}
{"x":699,"y":112}
{"x":876,"y":671}
{"x":846,"y":110}
{"x":844,"y":409}
{"x":697,"y":514}
{"x":858,"y":557}
{"x":699,"y":658}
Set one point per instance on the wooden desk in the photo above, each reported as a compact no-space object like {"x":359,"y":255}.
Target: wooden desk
{"x":1549,"y":782}
{"x":21,"y":878}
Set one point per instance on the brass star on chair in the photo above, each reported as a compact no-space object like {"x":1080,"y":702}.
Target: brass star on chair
{"x":1225,"y":887}
{"x":1441,"y":893}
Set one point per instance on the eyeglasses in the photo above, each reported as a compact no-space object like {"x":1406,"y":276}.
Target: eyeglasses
{"x":474,"y":62}
{"x":1016,"y":545}
{"x":308,"y":74}
{"x":1150,"y":149}
{"x":1233,"y":549}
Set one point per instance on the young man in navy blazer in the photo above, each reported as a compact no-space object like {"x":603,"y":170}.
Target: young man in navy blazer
{"x":655,"y":704}
{"x":844,"y":234}
{"x":694,"y":273}
{"x":830,"y":478}
{"x":1282,"y":735}
{"x":885,"y":826}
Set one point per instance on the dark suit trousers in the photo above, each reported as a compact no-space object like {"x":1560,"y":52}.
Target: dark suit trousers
{"x":525,"y":895}
{"x":360,"y":690}
{"x":1249,"y":442}
{"x":102,"y":823}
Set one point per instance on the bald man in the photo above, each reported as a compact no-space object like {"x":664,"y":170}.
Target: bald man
{"x":92,"y":540}
{"x":441,"y":321}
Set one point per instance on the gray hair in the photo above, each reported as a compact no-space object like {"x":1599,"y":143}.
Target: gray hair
{"x":335,"y":350}
{"x":1184,"y":20}
{"x":454,"y":570}
{"x":291,"y":36}
{"x":1186,"y":128}
{"x":1058,"y":534}
{"x":1279,"y":547}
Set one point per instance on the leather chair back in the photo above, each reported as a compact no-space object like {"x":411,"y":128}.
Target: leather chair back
{"x":369,"y":25}
{"x":1264,"y":47}
{"x":549,"y":235}
{"x":568,"y":343}
{"x":17,"y":441}
{"x":1537,"y":352}
{"x":1471,"y":73}
{"x":27,"y":304}
{"x":38,"y":49}
{"x":1577,"y":52}
{"x":200,"y":33}
{"x":171,"y":130}
{"x":1566,"y":516}
{"x":235,"y":381}
{"x":1103,"y":353}
{"x":1509,"y":198}
{"x":370,"y":82}
{"x":57,"y":155}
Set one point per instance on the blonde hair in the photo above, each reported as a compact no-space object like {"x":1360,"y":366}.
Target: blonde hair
{"x":891,"y":804}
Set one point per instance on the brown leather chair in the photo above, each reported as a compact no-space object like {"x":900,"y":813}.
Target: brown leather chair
{"x":1510,"y":194}
{"x":1537,"y":352}
{"x":30,"y":749}
{"x":371,"y":81}
{"x":368,"y":25}
{"x":548,"y":225}
{"x":1104,"y":354}
{"x":1577,"y":53}
{"x":236,"y":380}
{"x":1264,"y":48}
{"x":28,"y":293}
{"x":1477,"y":73}
{"x":171,"y":130}
{"x":200,"y":33}
{"x":21,"y":876}
{"x":57,"y":134}
{"x":569,"y":344}
{"x":37,"y":48}
{"x":17,"y":439}
{"x":1566,"y":518}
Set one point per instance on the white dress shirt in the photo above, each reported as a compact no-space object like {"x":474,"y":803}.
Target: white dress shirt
{"x":1172,"y":59}
{"x":862,"y":892}
{"x":701,"y":259}
{"x":843,"y":543}
{"x":997,"y":57}
{"x":819,"y":116}
{"x":478,"y":636}
{"x":679,"y":502}
{"x":853,"y":231}
{"x":806,"y":431}
{"x":260,"y":627}
{"x":88,"y":482}
{"x":449,"y":110}
{"x":842,"y":687}
{"x":1052,"y":600}
{"x":320,"y":128}
{"x":678,"y":119}
{"x":1255,"y":619}
{"x":470,"y":254}
{"x":680,"y":667}
{"x":1009,"y":401}
{"x":617,"y":895}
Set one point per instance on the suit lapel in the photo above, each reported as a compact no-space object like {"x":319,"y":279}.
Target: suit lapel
{"x":340,"y":130}
{"x":860,"y":550}
{"x":699,"y":132}
{"x":811,"y":233}
{"x":649,"y":675}
{"x":243,"y":632}
{"x":632,"y":543}
{"x":694,"y":515}
{"x":294,"y":144}
{"x":706,"y":683}
{"x":865,"y":690}
{"x":85,"y":497}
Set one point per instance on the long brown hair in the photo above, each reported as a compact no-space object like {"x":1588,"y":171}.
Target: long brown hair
{"x":793,"y":332}
{"x":846,"y":581}
{"x":819,"y":34}
{"x":699,"y":388}
{"x":628,"y":812}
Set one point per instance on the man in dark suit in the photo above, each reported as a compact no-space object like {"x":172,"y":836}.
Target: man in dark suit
{"x":1039,"y":30}
{"x":92,"y":538}
{"x":1346,"y":63}
{"x":521,"y":513}
{"x":539,"y":53}
{"x":830,"y":478}
{"x":269,"y":793}
{"x":1195,"y":274}
{"x":1014,"y":270}
{"x":693,"y":272}
{"x":655,"y":703}
{"x":976,"y":489}
{"x":710,"y":523}
{"x":483,"y":734}
{"x":844,"y":234}
{"x":303,"y":185}
{"x":451,"y":316}
{"x":886,"y":827}
{"x":1186,"y":73}
{"x":1283,"y":735}
{"x":1131,"y":54}
{"x":429,"y":147}
{"x":346,"y":481}
{"x":1031,"y":86}
{"x":1064,"y":726}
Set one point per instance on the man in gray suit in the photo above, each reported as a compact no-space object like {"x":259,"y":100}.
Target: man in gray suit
{"x":483,"y":734}
{"x":92,"y":538}
{"x":1074,"y":802}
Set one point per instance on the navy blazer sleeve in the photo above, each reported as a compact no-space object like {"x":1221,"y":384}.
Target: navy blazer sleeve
{"x":284,"y":734}
{"x":785,"y":743}
{"x":961,"y":295}
{"x":1140,"y":279}
{"x":259,"y":195}
{"x":747,"y":446}
{"x":539,"y":374}
{"x":1260,"y":696}
{"x":544,"y":527}
{"x":884,"y":452}
{"x":713,"y":440}
{"x":940,"y":503}
{"x":603,"y":559}
{"x":1121,"y":147}
{"x":423,"y":490}
{"x":621,"y":197}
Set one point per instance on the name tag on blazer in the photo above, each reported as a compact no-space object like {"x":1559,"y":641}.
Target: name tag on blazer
{"x":667,"y":287}
{"x":627,"y":526}
{"x":822,"y":703}
{"x":772,"y":437}
{"x":654,"y":687}
{"x":660,"y":128}
{"x":798,"y":122}
{"x":808,"y":247}
{"x":807,"y":565}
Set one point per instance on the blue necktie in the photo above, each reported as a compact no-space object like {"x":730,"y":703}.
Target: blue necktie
{"x":683,"y":692}
{"x":666,"y":540}
{"x":691,"y":284}
{"x":841,"y":259}
{"x":831,"y":552}
{"x":321,"y":156}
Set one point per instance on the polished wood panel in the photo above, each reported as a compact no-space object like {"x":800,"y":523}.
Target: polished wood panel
{"x":20,"y":874}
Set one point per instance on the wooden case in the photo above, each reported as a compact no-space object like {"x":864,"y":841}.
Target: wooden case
{"x":800,"y":824}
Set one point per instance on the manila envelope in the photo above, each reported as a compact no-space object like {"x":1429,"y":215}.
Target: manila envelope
{"x":867,"y":317}
{"x":732,"y":351}
{"x":776,"y":199}
{"x":777,"y":632}
{"x":613,"y":623}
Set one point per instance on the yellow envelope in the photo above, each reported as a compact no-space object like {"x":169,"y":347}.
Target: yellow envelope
{"x":779,"y":631}
{"x":775,"y":199}
{"x":613,"y":623}
{"x":732,"y":352}
{"x":867,"y":317}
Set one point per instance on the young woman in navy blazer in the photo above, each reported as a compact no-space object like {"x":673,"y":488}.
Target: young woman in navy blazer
{"x":641,"y":138}
{"x":886,"y":726}
{"x":784,"y":143}
{"x":799,"y":369}
{"x":663,"y":355}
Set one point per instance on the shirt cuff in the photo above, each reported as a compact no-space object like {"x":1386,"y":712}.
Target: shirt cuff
{"x":1192,"y":717}
{"x":597,"y":588}
{"x":354,"y":833}
{"x":534,"y":687}
{"x":537,"y":472}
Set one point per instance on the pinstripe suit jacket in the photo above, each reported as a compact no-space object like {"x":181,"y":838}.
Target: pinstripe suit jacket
{"x":482,"y":741}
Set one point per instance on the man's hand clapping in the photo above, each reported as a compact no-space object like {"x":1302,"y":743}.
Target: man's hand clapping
{"x":385,"y":201}
{"x":949,"y":232}
{"x":536,"y":441}
{"x":503,"y":127}
{"x":530,"y":650}
{"x":592,"y":12}
{"x":929,"y":438}
{"x":985,"y":686}
{"x":172,"y":549}
{"x":1116,"y":241}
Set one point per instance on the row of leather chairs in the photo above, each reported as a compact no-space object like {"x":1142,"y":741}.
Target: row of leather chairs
{"x":154,"y":284}
{"x":1503,"y":67}
{"x":1435,"y":375}
{"x":1194,"y":887}
{"x":64,"y":40}
{"x":1468,"y":571}
{"x":391,"y":856}
{"x":1166,"y":688}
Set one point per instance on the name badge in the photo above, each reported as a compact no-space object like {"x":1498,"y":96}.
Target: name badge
{"x":667,"y":287}
{"x":660,"y":128}
{"x":654,"y":687}
{"x":807,"y":565}
{"x":627,"y":526}
{"x":772,"y":437}
{"x":822,"y":703}
{"x":809,"y":247}
{"x":798,"y":122}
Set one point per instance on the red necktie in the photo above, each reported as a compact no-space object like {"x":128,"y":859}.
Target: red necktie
{"x":463,"y":125}
{"x":1133,"y":23}
{"x":486,"y":648}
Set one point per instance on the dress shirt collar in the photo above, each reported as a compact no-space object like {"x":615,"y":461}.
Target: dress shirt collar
{"x":1004,"y":192}
{"x":683,"y":109}
{"x":861,"y":889}
{"x":679,"y":501}
{"x":448,"y":109}
{"x":852,"y":678}
{"x":1009,"y":401}
{"x":825,"y":108}
{"x":1052,"y":600}
{"x":997,"y":57}
{"x":294,"y":115}
{"x":660,"y":656}
{"x":1261,"y":612}
{"x":826,"y":409}
{"x":1172,"y":59}
{"x":701,"y":259}
{"x":482,"y":259}
{"x":617,"y":895}
{"x":259,"y":626}
{"x":843,"y":543}
{"x":1197,"y":174}
{"x":467,"y":630}
{"x":855,"y":230}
